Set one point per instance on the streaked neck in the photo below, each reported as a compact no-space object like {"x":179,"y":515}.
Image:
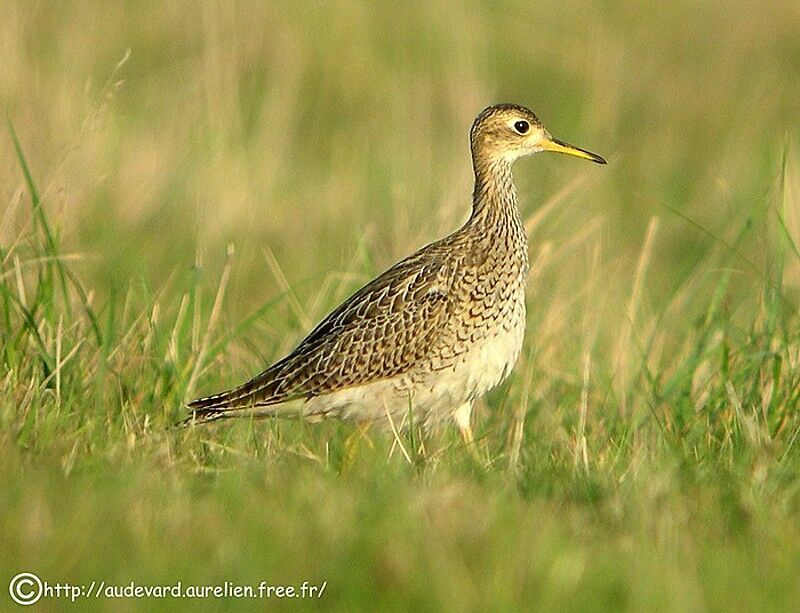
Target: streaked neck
{"x":494,"y":188}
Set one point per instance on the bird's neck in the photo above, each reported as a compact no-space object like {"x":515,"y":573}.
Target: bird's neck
{"x":495,"y":218}
{"x":494,"y":194}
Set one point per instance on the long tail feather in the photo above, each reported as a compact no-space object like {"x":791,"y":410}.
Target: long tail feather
{"x":239,"y":402}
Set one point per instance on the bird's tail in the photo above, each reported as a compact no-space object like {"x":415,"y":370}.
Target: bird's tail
{"x":238,"y":402}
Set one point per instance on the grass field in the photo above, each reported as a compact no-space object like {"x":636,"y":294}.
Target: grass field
{"x":186,"y":188}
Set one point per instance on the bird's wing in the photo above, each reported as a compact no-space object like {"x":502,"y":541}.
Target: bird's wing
{"x":377,"y":333}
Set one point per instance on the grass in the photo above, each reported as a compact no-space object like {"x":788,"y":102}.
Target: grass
{"x":186,"y":191}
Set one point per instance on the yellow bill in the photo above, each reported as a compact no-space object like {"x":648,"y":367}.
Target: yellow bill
{"x":557,"y":146}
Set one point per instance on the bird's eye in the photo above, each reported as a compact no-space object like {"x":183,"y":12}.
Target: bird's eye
{"x":521,"y":126}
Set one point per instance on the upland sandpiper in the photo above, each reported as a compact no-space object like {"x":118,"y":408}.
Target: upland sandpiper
{"x":436,"y":330}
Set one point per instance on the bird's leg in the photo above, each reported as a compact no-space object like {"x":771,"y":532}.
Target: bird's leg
{"x":461,"y":416}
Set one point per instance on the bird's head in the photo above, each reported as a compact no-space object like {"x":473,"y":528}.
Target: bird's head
{"x":507,"y":132}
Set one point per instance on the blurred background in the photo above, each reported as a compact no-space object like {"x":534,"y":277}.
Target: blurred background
{"x":162,"y":132}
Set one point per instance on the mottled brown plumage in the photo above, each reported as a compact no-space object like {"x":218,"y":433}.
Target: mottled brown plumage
{"x":436,"y":330}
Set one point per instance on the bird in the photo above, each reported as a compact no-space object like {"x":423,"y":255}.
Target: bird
{"x":433,"y":333}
